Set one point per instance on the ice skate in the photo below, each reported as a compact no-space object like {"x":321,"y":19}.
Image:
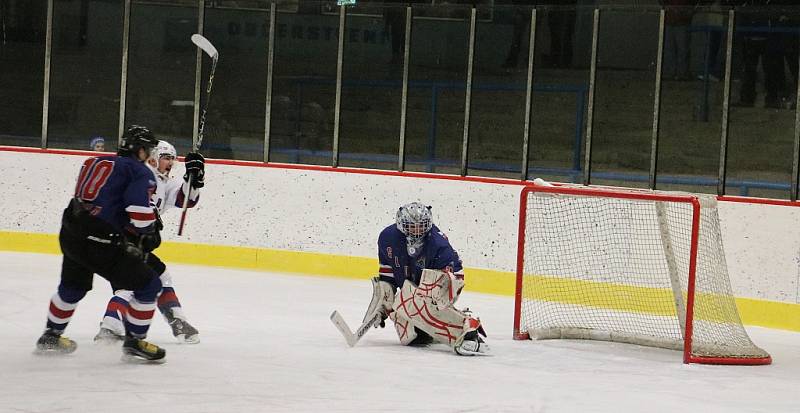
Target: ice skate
{"x":137,"y":350}
{"x":472,"y":345}
{"x":108,"y":336}
{"x":181,"y":329}
{"x":53,"y":343}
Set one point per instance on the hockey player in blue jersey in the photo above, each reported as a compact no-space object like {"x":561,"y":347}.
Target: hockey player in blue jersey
{"x":419,"y":280}
{"x":170,"y":193}
{"x":108,"y":228}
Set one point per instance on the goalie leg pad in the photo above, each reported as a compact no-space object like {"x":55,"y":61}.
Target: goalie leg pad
{"x":440,"y":320}
{"x":430,"y":309}
{"x":408,"y":334}
{"x":405,"y":330}
{"x":382,"y":299}
{"x":441,"y":286}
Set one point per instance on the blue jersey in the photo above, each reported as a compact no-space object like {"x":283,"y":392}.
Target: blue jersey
{"x":396,"y":265}
{"x":117,"y":190}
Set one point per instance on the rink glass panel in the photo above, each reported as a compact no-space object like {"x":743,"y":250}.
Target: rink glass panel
{"x":498,"y":94}
{"x":558,"y":95}
{"x":372,"y":79}
{"x":161,"y":70}
{"x":761,"y":140}
{"x":84,"y":96}
{"x":691,"y":109}
{"x":437,"y":79}
{"x":22,"y":66}
{"x":623,"y":106}
{"x":234,"y":126}
{"x":85,"y":74}
{"x":304,"y":84}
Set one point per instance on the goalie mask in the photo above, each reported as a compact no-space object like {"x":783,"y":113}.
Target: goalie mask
{"x":414,"y":220}
{"x":162,"y":158}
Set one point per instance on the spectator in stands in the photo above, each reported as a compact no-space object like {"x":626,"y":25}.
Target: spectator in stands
{"x":712,"y":19}
{"x":786,"y":20}
{"x":759,"y":44}
{"x":97,"y":144}
{"x":561,"y":15}
{"x":677,"y":19}
{"x":562,"y":30}
{"x":394,"y":17}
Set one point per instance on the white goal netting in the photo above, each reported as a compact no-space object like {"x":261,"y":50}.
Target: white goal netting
{"x":615,"y":265}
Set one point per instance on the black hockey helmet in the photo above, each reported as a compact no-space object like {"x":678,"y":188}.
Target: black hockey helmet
{"x":136,"y":137}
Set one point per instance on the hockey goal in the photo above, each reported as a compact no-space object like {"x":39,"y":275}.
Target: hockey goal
{"x":631,"y":266}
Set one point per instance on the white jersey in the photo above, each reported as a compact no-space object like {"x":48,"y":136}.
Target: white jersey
{"x":170,"y":192}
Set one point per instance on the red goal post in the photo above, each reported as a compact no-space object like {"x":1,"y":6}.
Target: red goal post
{"x":633,"y":266}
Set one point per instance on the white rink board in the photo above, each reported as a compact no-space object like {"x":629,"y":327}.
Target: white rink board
{"x":762,"y":248}
{"x":342,"y":214}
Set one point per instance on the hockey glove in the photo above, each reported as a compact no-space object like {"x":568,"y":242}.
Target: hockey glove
{"x":150,"y":241}
{"x":141,"y":247}
{"x":139,"y":244}
{"x":195,"y":167}
{"x":133,"y":250}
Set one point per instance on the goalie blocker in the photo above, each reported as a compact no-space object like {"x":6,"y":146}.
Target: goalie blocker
{"x":426,"y":313}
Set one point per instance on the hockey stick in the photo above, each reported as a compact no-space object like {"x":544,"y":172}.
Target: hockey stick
{"x":211,"y":51}
{"x":349,"y":336}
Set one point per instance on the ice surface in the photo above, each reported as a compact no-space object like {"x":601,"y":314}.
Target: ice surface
{"x":267,"y":345}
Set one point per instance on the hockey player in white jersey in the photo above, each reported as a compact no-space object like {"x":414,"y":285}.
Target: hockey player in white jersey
{"x":170,"y":192}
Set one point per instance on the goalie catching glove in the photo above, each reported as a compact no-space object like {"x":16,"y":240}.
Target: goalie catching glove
{"x":382,"y":301}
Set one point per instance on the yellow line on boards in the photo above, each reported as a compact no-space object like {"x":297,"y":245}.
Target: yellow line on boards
{"x":763,"y":313}
{"x":29,"y":242}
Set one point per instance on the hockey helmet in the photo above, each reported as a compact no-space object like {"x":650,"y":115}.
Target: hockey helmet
{"x":415,"y":221}
{"x":163,"y":149}
{"x":136,"y":137}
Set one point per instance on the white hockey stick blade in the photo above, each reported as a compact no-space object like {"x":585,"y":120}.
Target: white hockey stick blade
{"x":343,"y":328}
{"x":349,"y":336}
{"x":204,"y":44}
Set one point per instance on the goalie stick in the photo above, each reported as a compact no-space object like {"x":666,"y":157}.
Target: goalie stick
{"x":349,"y":336}
{"x":211,"y":51}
